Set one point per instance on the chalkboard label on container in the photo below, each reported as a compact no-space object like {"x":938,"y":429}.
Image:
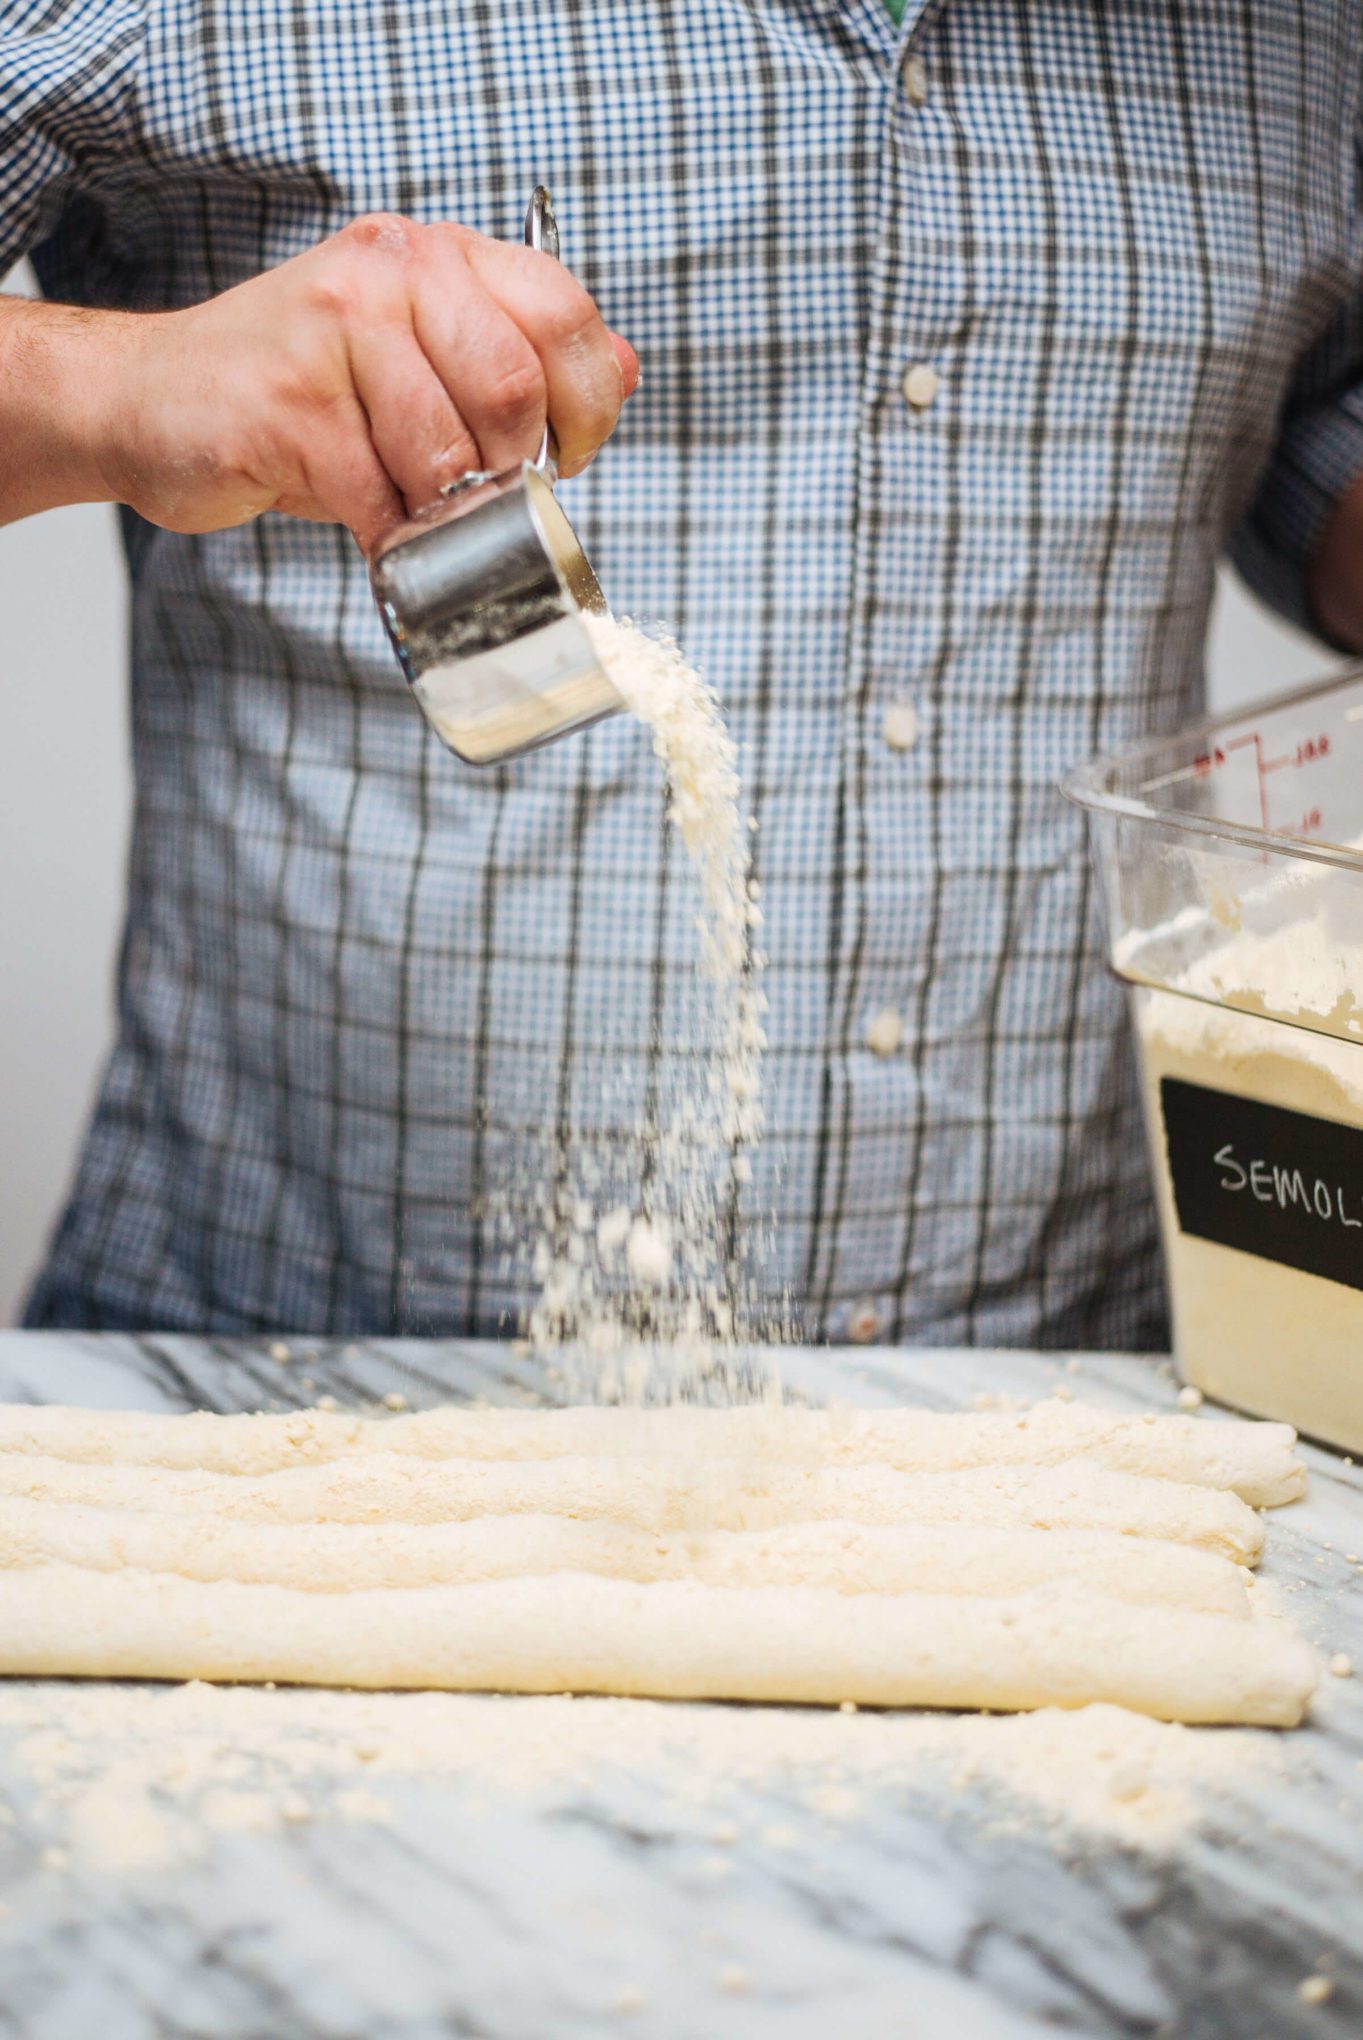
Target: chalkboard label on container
{"x":1283,"y":1185}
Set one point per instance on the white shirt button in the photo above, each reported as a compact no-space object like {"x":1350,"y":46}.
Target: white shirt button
{"x":885,"y":1031}
{"x":921,"y":384}
{"x":863,"y":1322}
{"x":901,"y":726}
{"x":915,"y":80}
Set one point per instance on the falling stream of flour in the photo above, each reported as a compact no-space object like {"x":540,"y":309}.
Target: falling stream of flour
{"x":645,"y":1292}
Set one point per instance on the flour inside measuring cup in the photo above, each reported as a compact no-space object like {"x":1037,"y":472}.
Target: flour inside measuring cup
{"x":647,"y":1293}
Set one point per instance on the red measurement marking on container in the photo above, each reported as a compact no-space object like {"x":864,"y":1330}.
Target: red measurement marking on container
{"x":1310,"y":751}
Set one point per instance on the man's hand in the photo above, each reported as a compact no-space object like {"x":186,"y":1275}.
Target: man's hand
{"x":1336,"y":577}
{"x":346,"y":385}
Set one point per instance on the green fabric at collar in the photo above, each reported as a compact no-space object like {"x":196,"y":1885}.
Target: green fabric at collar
{"x":896,"y":8}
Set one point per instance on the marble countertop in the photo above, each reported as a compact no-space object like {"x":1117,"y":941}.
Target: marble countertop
{"x":634,"y":1890}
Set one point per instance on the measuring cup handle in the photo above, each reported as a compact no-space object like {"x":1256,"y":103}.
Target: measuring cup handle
{"x":541,"y":234}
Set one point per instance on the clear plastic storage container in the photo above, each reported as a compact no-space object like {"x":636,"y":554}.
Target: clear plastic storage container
{"x":1232,"y":880}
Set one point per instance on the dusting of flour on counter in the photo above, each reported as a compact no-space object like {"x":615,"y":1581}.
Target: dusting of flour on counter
{"x":648,"y":1294}
{"x":131,"y":1780}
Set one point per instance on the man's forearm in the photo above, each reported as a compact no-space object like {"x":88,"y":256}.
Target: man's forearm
{"x":57,"y":377}
{"x":1336,"y":579}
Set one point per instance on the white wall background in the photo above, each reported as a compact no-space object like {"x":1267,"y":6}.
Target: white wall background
{"x":64,"y":799}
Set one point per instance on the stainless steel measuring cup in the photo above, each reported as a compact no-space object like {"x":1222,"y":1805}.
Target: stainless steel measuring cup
{"x":482,"y":595}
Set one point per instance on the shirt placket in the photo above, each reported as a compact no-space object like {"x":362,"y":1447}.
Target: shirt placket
{"x":872,"y":983}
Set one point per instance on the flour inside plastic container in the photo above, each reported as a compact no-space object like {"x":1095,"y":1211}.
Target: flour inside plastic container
{"x":1265,"y":1334}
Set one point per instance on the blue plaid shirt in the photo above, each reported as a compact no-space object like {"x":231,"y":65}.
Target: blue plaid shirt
{"x":969,"y":344}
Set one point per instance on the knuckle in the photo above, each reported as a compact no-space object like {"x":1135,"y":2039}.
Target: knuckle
{"x":297,"y":389}
{"x":348,"y":274}
{"x":571,"y":319}
{"x":457,"y":456}
{"x":515,"y":393}
{"x":450,"y":234}
{"x":331,"y":292}
{"x":383,"y":233}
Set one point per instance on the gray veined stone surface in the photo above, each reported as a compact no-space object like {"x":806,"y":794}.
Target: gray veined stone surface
{"x":608,"y":1908}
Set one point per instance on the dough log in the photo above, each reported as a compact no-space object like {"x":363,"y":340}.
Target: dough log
{"x":1257,"y":1461}
{"x":1058,"y":1646}
{"x":669,"y":1495}
{"x":848,"y":1558}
